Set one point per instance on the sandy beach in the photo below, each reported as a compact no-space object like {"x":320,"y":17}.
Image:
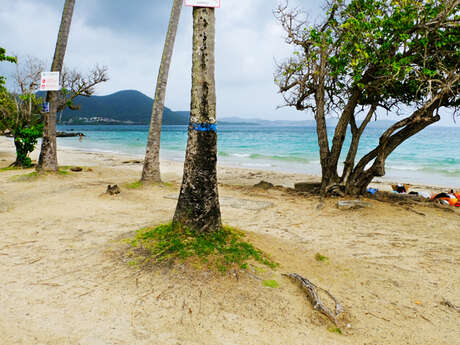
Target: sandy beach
{"x":65,"y":280}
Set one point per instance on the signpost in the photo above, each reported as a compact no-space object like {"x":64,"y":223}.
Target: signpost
{"x":202,"y":3}
{"x":49,"y":81}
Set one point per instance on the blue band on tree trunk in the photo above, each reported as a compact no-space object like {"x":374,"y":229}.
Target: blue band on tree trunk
{"x":204,"y":127}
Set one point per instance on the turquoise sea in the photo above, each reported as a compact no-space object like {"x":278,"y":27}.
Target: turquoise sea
{"x":431,"y":157}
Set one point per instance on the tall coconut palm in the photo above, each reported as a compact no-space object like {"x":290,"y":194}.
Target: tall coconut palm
{"x":151,"y":170}
{"x":48,"y":154}
{"x":198,"y":205}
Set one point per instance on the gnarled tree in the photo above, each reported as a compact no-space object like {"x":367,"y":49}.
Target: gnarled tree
{"x":20,"y":109}
{"x":75,"y":84}
{"x":367,"y":56}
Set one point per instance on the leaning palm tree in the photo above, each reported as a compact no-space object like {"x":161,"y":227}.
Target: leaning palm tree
{"x":151,"y":170}
{"x":198,"y":206}
{"x":48,"y":153}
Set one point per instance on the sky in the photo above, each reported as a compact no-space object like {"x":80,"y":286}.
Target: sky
{"x":128,"y":38}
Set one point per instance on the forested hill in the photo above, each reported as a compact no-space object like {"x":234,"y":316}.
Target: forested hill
{"x":128,"y":106}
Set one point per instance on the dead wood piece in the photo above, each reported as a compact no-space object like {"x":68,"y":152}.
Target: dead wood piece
{"x":396,"y":197}
{"x":450,"y":305}
{"x":133,"y":161}
{"x":113,"y":190}
{"x":313,"y":296}
{"x":414,"y":211}
{"x":309,"y":187}
{"x":352,"y":204}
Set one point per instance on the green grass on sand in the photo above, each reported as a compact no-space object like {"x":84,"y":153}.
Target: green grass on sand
{"x":222,"y":249}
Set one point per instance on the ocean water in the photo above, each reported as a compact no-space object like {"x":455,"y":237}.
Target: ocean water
{"x":430,"y":157}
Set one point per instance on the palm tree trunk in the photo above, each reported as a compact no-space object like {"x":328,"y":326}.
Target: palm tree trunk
{"x":151,"y":170}
{"x":48,"y":154}
{"x":198,"y":205}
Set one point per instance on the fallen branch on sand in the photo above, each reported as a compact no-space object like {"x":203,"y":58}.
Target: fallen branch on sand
{"x":450,"y":305}
{"x":313,"y":296}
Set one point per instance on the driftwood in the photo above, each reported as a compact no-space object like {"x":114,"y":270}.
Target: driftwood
{"x":313,"y":296}
{"x":113,"y":190}
{"x":450,"y":305}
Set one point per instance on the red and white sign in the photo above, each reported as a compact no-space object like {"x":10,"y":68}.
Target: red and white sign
{"x":50,"y":81}
{"x":202,"y":3}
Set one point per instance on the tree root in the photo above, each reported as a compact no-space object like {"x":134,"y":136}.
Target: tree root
{"x":313,"y":296}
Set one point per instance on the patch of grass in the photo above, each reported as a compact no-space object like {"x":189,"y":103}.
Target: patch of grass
{"x":321,"y":258}
{"x":132,"y":263}
{"x":62,"y":171}
{"x":65,"y":167}
{"x":271,"y":283}
{"x":222,"y":249}
{"x":34,"y":175}
{"x":10,"y":168}
{"x":24,"y":178}
{"x":134,"y":185}
{"x":335,"y":330}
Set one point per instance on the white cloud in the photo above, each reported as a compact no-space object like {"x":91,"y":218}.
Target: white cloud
{"x":130,"y":44}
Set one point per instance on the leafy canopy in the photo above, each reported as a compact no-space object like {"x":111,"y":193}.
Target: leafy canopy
{"x":395,"y":51}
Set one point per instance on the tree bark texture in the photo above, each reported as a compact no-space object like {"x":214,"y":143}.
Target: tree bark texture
{"x":198,"y":205}
{"x":48,"y":153}
{"x":151,"y":169}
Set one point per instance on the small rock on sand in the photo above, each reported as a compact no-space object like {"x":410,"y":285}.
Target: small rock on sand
{"x":264,"y":185}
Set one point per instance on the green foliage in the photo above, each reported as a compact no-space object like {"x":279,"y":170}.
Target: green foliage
{"x":4,"y":57}
{"x":322,"y":258}
{"x":21,"y":115}
{"x":393,"y":50}
{"x":335,"y":330}
{"x":271,"y":283}
{"x":223,"y":249}
{"x":25,"y":139}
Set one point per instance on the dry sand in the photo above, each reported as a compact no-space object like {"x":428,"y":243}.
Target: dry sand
{"x":64,"y":281}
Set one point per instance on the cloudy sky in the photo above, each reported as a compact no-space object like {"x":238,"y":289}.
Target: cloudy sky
{"x":128,"y":37}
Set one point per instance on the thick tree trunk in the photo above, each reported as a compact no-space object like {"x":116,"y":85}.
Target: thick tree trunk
{"x":356,"y":137}
{"x":360,"y":178}
{"x":48,"y":154}
{"x":198,"y":205}
{"x":320,"y":118}
{"x":151,"y":170}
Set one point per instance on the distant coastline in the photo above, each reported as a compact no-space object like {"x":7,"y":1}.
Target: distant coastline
{"x":431,"y":158}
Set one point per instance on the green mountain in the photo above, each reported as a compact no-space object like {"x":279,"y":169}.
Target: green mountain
{"x":127,"y":107}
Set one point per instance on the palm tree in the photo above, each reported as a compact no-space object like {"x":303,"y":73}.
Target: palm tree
{"x":48,"y":154}
{"x":151,"y":170}
{"x":198,"y":204}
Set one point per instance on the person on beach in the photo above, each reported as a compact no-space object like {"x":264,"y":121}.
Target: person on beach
{"x":81,"y":137}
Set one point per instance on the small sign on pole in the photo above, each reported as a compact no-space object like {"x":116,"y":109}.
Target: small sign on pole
{"x":202,"y":3}
{"x":50,"y":81}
